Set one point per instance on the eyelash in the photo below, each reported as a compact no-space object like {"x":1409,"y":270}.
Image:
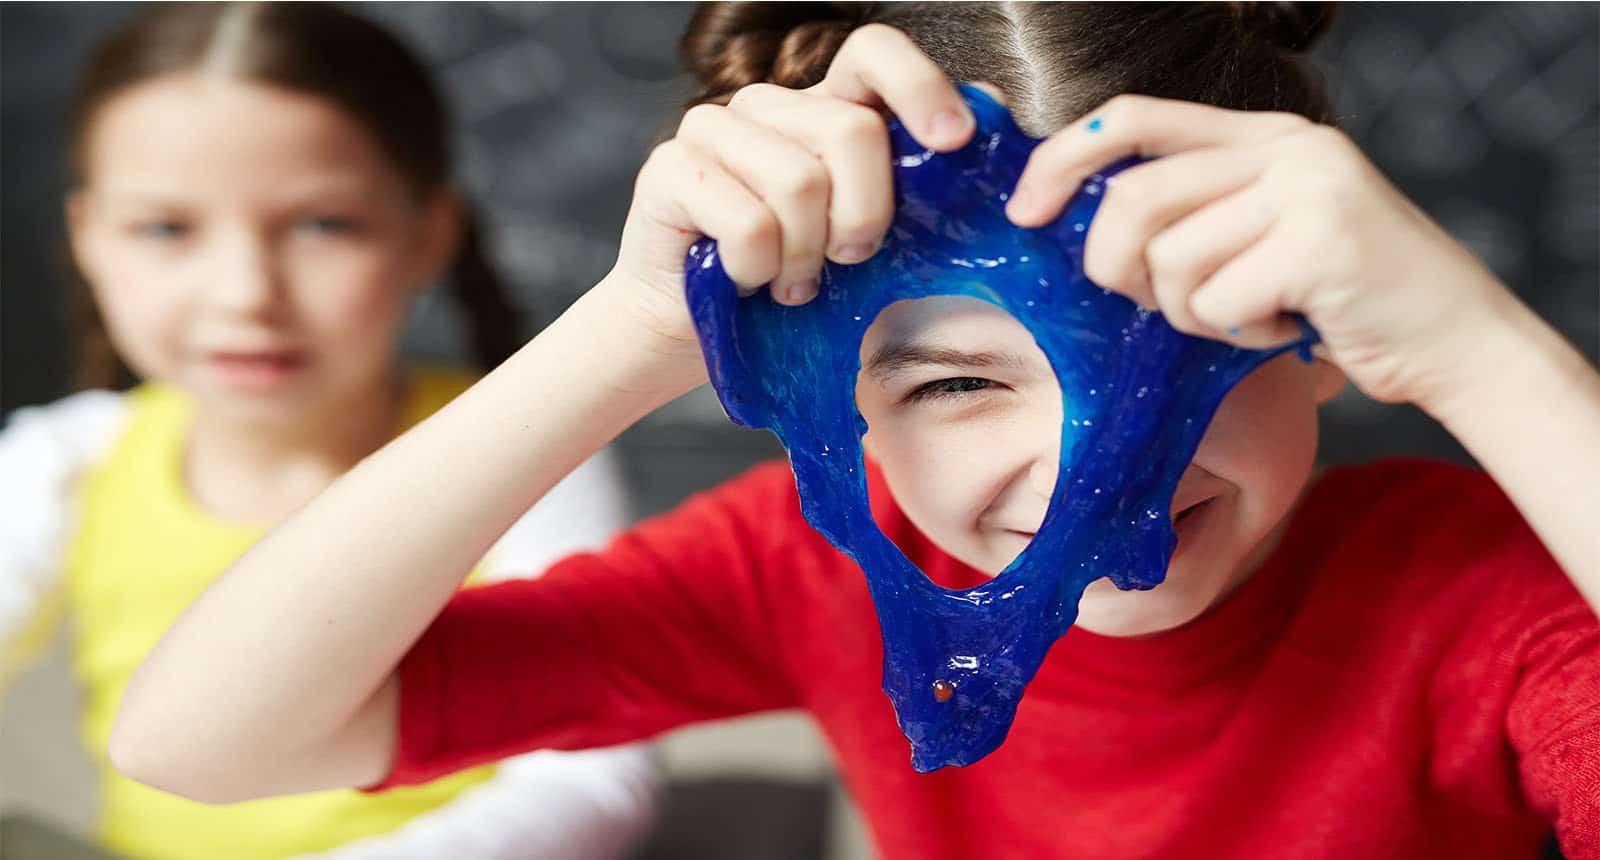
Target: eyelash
{"x":168,"y":229}
{"x":331,"y":225}
{"x":173,"y":229}
{"x":941,"y":389}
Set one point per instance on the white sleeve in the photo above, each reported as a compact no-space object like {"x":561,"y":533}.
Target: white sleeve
{"x":590,"y":805}
{"x":43,"y":453}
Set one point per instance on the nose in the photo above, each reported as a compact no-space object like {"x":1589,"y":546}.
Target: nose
{"x":244,"y":276}
{"x":1042,"y":474}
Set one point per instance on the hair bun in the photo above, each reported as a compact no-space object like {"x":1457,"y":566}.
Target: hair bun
{"x":1291,"y":27}
{"x":732,"y":45}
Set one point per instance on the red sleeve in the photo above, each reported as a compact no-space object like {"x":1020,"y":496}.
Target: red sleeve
{"x":1554,"y":717}
{"x":668,"y":625}
{"x":1526,"y":667}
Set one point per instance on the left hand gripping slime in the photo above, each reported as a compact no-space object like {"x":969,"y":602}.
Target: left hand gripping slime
{"x":1136,"y":398}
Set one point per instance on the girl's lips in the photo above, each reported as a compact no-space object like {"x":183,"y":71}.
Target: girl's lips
{"x":256,"y":371}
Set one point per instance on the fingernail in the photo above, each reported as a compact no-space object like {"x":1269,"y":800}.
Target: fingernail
{"x":795,"y":293}
{"x":853,"y":253}
{"x":1095,"y":125}
{"x":948,"y":124}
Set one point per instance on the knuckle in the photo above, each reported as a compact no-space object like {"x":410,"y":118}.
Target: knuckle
{"x":1284,"y":122}
{"x":662,"y":156}
{"x":1167,"y":263}
{"x":1178,"y":316}
{"x":1130,"y":197}
{"x":699,"y":118}
{"x":1107,"y":270}
{"x":873,"y":35}
{"x":859,"y":126}
{"x":760,"y":230}
{"x":1126,"y":106}
{"x":802,"y":182}
{"x":751,"y":93}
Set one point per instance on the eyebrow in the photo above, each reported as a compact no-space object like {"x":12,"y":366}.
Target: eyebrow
{"x":892,"y":358}
{"x":148,"y":195}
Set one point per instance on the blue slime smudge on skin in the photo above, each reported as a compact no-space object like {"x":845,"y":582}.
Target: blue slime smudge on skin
{"x":1136,"y":398}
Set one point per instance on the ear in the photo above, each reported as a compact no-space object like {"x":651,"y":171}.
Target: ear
{"x":1327,"y":380}
{"x":442,"y":226}
{"x":76,"y":208}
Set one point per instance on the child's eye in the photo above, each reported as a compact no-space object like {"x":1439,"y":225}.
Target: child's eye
{"x":949,"y":388}
{"x":168,"y":229}
{"x":329,"y":226}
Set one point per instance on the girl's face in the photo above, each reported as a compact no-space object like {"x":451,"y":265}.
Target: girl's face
{"x":965,"y":419}
{"x":251,"y":244}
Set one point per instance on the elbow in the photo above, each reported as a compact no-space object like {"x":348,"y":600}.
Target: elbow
{"x":151,"y":751}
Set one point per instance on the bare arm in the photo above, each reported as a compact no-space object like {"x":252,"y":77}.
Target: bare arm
{"x":1528,"y":408}
{"x":279,"y":678}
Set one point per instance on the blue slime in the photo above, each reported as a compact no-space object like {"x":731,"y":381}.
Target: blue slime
{"x":1136,"y":397}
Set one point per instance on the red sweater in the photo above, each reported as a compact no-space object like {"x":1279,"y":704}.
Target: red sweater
{"x":1410,"y":676}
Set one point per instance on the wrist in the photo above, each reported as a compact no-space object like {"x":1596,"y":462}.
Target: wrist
{"x":1507,"y":352}
{"x":642,"y":355}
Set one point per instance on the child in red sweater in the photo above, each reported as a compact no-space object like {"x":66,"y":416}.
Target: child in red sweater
{"x":1375,"y":662}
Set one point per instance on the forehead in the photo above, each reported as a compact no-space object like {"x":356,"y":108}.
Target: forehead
{"x":949,"y":321}
{"x":201,"y":131}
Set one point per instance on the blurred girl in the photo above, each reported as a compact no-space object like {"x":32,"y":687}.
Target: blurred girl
{"x":261,"y":194}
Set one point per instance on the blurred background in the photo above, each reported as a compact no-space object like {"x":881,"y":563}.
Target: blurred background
{"x":1485,"y":114}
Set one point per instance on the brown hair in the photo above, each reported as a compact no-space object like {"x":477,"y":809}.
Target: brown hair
{"x":1054,"y":61}
{"x":312,"y":48}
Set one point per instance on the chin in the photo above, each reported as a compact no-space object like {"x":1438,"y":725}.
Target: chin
{"x":1110,"y":611}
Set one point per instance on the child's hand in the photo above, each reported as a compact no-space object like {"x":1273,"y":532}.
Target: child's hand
{"x":782,"y":179}
{"x":1250,"y":216}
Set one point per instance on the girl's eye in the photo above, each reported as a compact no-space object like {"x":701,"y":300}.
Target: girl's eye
{"x":949,"y":388}
{"x":329,"y":226}
{"x":161,"y":229}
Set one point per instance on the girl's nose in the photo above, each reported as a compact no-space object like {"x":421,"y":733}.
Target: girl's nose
{"x":246,"y":280}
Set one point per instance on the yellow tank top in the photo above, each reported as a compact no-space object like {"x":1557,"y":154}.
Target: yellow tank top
{"x":143,"y":551}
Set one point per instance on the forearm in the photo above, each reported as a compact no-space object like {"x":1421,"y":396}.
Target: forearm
{"x":283,"y":652}
{"x":1528,"y":409}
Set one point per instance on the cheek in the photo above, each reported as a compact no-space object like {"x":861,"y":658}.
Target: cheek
{"x":1264,"y":436}
{"x":346,"y":299}
{"x":145,"y":315}
{"x":943,"y":475}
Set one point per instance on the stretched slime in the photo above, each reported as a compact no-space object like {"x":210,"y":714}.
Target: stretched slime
{"x":1136,"y":397}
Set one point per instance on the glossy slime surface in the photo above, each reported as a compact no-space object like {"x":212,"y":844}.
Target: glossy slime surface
{"x":1136,"y":398}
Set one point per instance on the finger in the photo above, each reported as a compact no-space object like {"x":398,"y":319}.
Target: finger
{"x":879,"y":66}
{"x":1130,"y":125}
{"x":1141,"y":202}
{"x":785,"y":175}
{"x":688,"y":191}
{"x":853,"y":143}
{"x":1245,"y":300}
{"x":1184,"y":256}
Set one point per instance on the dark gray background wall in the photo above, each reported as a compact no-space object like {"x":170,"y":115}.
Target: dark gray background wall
{"x":1486,"y":114}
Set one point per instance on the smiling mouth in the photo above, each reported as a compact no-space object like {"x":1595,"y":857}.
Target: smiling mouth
{"x":1177,"y":518}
